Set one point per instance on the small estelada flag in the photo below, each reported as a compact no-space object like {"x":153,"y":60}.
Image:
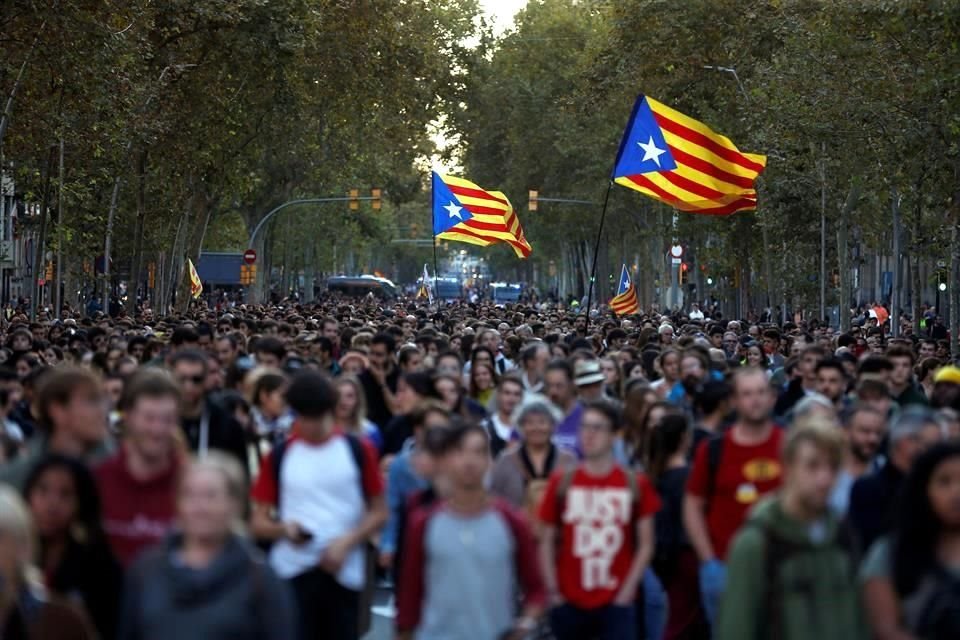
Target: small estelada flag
{"x":196,"y":287}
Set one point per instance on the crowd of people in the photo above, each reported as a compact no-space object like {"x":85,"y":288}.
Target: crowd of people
{"x":511,"y":473}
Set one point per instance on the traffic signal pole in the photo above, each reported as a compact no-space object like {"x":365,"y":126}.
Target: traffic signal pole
{"x":353,"y":198}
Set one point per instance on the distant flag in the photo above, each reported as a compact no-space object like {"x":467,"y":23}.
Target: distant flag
{"x":426,"y":291}
{"x":683,"y":163}
{"x":196,"y":287}
{"x":625,"y":303}
{"x":464,"y":212}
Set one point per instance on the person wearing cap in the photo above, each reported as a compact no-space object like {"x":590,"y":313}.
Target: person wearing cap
{"x":946,"y":387}
{"x":589,"y":378}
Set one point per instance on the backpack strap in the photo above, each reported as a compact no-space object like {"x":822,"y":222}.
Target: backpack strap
{"x":276,"y":459}
{"x":562,"y":488}
{"x":714,"y":453}
{"x":359,"y":458}
{"x":356,"y":452}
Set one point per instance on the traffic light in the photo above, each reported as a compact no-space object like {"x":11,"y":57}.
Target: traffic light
{"x":375,"y":203}
{"x":49,"y":274}
{"x":683,"y":272}
{"x":151,"y":275}
{"x":354,"y":203}
{"x":248,"y":274}
{"x":532,"y":205}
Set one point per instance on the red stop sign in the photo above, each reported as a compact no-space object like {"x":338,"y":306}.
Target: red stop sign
{"x":249,"y":256}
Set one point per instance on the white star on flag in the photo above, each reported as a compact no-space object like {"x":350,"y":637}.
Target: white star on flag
{"x":454,"y":211}
{"x":651,"y":151}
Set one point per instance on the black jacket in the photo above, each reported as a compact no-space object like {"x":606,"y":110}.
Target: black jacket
{"x":225,"y":433}
{"x":91,"y":574}
{"x":873,"y":503}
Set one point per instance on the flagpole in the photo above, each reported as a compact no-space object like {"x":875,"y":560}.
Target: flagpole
{"x":435,"y":272}
{"x":596,"y":250}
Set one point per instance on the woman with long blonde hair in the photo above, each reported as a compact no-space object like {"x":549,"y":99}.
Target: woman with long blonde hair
{"x":350,"y":413}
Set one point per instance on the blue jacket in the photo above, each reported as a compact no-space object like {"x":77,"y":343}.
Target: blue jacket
{"x":402,"y":482}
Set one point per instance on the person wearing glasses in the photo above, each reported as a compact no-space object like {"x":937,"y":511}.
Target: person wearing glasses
{"x":206,"y":425}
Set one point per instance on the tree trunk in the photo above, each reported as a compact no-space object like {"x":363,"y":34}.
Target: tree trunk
{"x":309,"y":270}
{"x":952,"y":283}
{"x":201,"y":212}
{"x":896,"y":302}
{"x":917,"y":293}
{"x":136,"y":265}
{"x":39,"y":249}
{"x":843,"y":252}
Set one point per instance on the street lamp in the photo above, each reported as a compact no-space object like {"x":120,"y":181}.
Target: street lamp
{"x":731,"y":71}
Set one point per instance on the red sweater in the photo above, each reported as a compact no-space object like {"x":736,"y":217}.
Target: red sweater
{"x":136,"y":513}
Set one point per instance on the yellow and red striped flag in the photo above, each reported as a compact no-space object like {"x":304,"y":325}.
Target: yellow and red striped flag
{"x":625,"y":303}
{"x":464,"y":212}
{"x":196,"y":287}
{"x":682,"y":162}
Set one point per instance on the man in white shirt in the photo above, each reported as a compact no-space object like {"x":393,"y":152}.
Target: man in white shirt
{"x":319,"y":498}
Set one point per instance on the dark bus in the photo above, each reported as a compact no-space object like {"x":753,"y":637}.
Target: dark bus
{"x":359,"y":286}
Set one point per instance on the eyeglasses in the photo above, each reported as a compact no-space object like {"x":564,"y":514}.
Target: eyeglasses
{"x":593,"y":426}
{"x":197,"y":380}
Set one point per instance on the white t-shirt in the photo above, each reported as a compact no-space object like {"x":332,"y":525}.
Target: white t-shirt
{"x":320,"y":490}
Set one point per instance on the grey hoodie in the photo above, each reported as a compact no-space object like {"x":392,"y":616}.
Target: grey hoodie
{"x":238,"y":597}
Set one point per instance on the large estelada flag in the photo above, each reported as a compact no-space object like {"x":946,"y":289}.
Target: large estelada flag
{"x":682,"y":162}
{"x":196,"y":287}
{"x":464,"y":212}
{"x":625,"y":303}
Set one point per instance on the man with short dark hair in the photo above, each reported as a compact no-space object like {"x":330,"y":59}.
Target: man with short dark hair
{"x":330,"y":329}
{"x":205,"y":423}
{"x":730,"y":472}
{"x":72,"y":418}
{"x":902,"y":385}
{"x":560,"y":388}
{"x":874,"y":496}
{"x":468,"y":558}
{"x":321,"y":348}
{"x":832,"y":381}
{"x":269,"y":352}
{"x":805,"y":381}
{"x":866,"y":429}
{"x":227,"y":349}
{"x":319,"y":497}
{"x":603,"y":520}
{"x":379,"y":380}
{"x":533,"y":362}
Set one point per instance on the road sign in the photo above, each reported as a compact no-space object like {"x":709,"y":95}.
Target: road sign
{"x":677,"y":261}
{"x":676,"y":251}
{"x":249,"y":256}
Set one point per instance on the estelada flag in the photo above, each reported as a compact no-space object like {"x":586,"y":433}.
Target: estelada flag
{"x":625,"y":303}
{"x":680,"y":161}
{"x":196,"y":287}
{"x":464,"y":212}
